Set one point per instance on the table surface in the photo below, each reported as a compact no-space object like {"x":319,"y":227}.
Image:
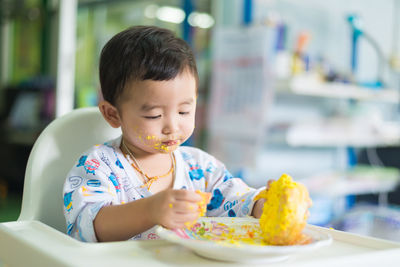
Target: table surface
{"x":32,"y":243}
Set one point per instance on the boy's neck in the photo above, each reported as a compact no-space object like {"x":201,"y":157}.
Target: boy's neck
{"x":141,"y":154}
{"x":152,"y":165}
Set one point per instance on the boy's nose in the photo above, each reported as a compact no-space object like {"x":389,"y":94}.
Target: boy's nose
{"x":170,"y":127}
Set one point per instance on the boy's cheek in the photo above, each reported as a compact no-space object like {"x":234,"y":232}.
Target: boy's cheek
{"x":148,"y":136}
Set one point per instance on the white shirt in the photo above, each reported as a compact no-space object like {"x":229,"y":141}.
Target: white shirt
{"x":102,"y":176}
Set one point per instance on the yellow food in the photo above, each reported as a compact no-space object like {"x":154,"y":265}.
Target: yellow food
{"x":201,"y":206}
{"x":285,"y":212}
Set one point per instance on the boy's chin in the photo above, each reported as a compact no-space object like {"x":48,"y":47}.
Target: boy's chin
{"x":168,"y":149}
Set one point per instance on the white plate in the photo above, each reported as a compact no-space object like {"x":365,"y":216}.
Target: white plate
{"x":238,"y":251}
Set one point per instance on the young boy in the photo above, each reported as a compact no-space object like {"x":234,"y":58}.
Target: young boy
{"x":124,"y":188}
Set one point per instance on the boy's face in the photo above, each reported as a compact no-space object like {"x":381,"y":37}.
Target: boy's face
{"x":158,"y":116}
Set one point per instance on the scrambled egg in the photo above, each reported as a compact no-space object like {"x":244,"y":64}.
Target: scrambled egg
{"x":201,"y":206}
{"x":285,"y":212}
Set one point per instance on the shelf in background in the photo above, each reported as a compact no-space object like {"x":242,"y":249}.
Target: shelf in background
{"x":335,"y":132}
{"x":310,"y":86}
{"x":357,"y":181}
{"x":372,"y":220}
{"x":342,"y":132}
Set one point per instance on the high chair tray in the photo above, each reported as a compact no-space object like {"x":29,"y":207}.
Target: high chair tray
{"x":239,"y":240}
{"x":32,"y":243}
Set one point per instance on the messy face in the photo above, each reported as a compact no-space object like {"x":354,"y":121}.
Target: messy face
{"x":158,"y":116}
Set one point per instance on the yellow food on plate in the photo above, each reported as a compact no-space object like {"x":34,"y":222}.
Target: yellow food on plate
{"x":285,"y":212}
{"x":201,"y":206}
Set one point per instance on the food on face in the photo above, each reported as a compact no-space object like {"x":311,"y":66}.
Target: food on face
{"x":285,"y":212}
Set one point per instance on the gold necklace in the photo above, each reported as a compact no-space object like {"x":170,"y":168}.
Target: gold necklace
{"x":149,"y":179}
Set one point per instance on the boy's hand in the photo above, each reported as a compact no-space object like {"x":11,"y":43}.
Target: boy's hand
{"x":173,"y":208}
{"x":258,"y":208}
{"x":259,"y":204}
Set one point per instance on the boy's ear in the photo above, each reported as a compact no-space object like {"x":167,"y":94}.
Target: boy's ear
{"x":110,"y":114}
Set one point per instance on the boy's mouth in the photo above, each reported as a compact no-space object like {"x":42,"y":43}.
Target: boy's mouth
{"x":170,"y":142}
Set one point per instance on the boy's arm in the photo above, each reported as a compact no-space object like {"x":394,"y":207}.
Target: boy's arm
{"x":92,"y":205}
{"x":231,"y":196}
{"x":121,"y":222}
{"x":234,"y":198}
{"x":169,"y":208}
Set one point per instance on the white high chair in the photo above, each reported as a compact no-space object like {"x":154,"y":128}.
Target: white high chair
{"x":38,"y":239}
{"x":52,"y":156}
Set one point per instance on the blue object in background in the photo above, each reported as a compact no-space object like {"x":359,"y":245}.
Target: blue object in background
{"x":358,"y":31}
{"x":188,"y":7}
{"x":281,"y":30}
{"x":352,"y":161}
{"x":350,"y":202}
{"x":351,"y":157}
{"x":247,"y":12}
{"x":355,"y":24}
{"x":188,"y":142}
{"x":240,"y":173}
{"x":321,"y":211}
{"x":372,"y":85}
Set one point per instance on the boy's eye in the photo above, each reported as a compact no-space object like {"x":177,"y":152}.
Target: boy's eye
{"x":152,"y":117}
{"x":183,"y":113}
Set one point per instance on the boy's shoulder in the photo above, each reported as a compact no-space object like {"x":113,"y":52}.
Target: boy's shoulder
{"x":193,"y":153}
{"x":98,"y":156}
{"x":99,"y":149}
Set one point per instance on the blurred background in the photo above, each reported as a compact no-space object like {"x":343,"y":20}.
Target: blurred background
{"x":309,"y":88}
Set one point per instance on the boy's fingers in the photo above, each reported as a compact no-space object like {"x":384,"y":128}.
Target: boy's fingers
{"x":184,"y":218}
{"x":187,"y":195}
{"x":184,"y":207}
{"x":269,"y":183}
{"x":181,"y":220}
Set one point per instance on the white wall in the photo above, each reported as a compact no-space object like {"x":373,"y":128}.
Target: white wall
{"x":331,"y":38}
{"x":331,"y":35}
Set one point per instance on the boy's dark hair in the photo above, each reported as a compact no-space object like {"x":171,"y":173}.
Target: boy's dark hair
{"x":142,"y":53}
